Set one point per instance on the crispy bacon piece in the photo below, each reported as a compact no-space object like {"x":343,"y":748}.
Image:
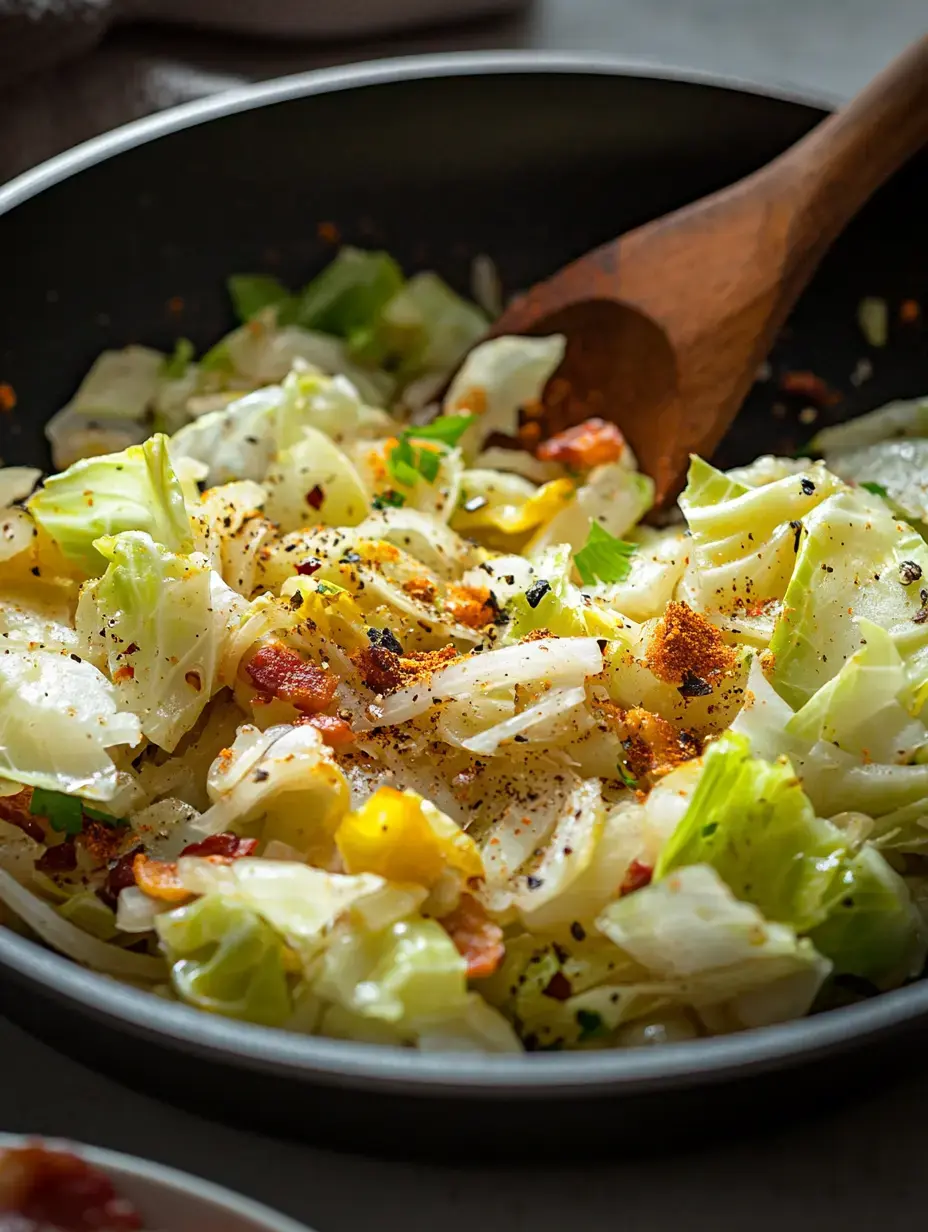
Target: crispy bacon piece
{"x":283,"y":673}
{"x":119,"y":878}
{"x":380,"y":668}
{"x":687,"y":651}
{"x":54,"y":1191}
{"x":637,"y":876}
{"x":591,"y":443}
{"x":229,"y":846}
{"x":476,"y":938}
{"x":62,"y":858}
{"x":159,"y":878}
{"x":336,"y":733}
{"x":471,"y":606}
{"x":15,"y":810}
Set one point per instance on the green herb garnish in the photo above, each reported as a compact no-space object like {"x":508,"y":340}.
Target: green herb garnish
{"x":876,"y":488}
{"x":603,"y":558}
{"x":388,"y":500}
{"x":624,"y":775}
{"x":66,"y":814}
{"x":408,"y":464}
{"x":591,"y":1025}
{"x":176,"y":365}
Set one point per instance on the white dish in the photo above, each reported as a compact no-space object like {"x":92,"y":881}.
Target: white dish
{"x":168,"y":1200}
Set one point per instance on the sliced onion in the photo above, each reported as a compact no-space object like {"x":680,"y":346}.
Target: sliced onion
{"x":16,"y":483}
{"x":558,"y":702}
{"x":554,"y":660}
{"x":72,"y":941}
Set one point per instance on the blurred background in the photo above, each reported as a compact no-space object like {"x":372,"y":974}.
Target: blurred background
{"x":72,"y":68}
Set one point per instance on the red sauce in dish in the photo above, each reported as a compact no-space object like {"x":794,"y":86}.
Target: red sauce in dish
{"x":53,"y":1191}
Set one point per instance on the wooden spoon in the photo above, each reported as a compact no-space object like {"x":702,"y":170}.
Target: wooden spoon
{"x":667,"y":325}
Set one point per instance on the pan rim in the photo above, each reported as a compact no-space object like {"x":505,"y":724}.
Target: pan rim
{"x":394,"y":1070}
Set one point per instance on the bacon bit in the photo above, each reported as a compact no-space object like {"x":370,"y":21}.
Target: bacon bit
{"x":176,"y":304}
{"x":282,"y":673}
{"x":54,"y":1189}
{"x":61,"y":858}
{"x":328,"y":233}
{"x":557,"y":393}
{"x":420,"y":588}
{"x":102,"y":842}
{"x":193,"y":679}
{"x":15,"y":810}
{"x":474,"y":401}
{"x":654,"y":746}
{"x":119,"y":877}
{"x":7,"y":398}
{"x":384,"y":671}
{"x":126,"y":672}
{"x":529,"y":434}
{"x":228,"y":846}
{"x":592,"y":443}
{"x":685,"y":645}
{"x":558,"y":987}
{"x":307,"y":568}
{"x":470,"y":606}
{"x":476,"y":937}
{"x":808,"y":385}
{"x":336,"y":733}
{"x":158,"y":879}
{"x":909,"y":311}
{"x":637,"y":876}
{"x":315,"y":497}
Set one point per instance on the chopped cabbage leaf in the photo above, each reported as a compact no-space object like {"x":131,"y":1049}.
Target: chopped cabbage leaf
{"x":426,"y":325}
{"x":312,"y":482}
{"x":402,"y":973}
{"x":349,"y":293}
{"x":160,"y":640}
{"x":496,"y":379}
{"x":224,"y":958}
{"x":892,"y":469}
{"x":751,"y":821}
{"x":58,"y":718}
{"x":896,"y":419}
{"x":855,"y":562}
{"x":614,"y":497}
{"x":134,"y":490}
{"x":252,"y":293}
{"x":718,"y":954}
{"x":120,"y":385}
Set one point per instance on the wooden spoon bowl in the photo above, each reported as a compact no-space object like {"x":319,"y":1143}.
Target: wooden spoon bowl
{"x":667,"y":325}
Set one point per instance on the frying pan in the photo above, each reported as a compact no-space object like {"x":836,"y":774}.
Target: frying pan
{"x":532,"y":159}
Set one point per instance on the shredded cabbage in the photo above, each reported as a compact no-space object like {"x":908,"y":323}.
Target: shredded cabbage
{"x":365,"y":723}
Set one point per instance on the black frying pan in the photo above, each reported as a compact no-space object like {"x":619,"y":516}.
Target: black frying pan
{"x":533,"y":160}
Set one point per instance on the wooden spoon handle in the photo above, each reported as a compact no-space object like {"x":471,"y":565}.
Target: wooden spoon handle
{"x":843,"y":161}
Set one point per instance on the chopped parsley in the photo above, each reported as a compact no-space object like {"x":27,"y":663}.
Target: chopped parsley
{"x":603,"y":558}
{"x":591,"y":1025}
{"x":876,"y":488}
{"x":66,"y":814}
{"x":624,"y":775}
{"x":175,"y":366}
{"x":408,"y":464}
{"x":389,"y":500}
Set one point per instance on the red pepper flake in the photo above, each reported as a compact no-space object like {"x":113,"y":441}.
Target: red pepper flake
{"x":7,"y":398}
{"x":909,"y":311}
{"x":126,"y":672}
{"x":335,"y":732}
{"x":476,"y":937}
{"x":591,"y":443}
{"x":281,"y":672}
{"x":306,"y":568}
{"x":315,"y":496}
{"x":637,"y":876}
{"x":328,"y":232}
{"x":229,"y":846}
{"x":808,"y":385}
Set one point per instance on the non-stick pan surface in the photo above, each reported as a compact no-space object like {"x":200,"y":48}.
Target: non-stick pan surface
{"x":532,"y":160}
